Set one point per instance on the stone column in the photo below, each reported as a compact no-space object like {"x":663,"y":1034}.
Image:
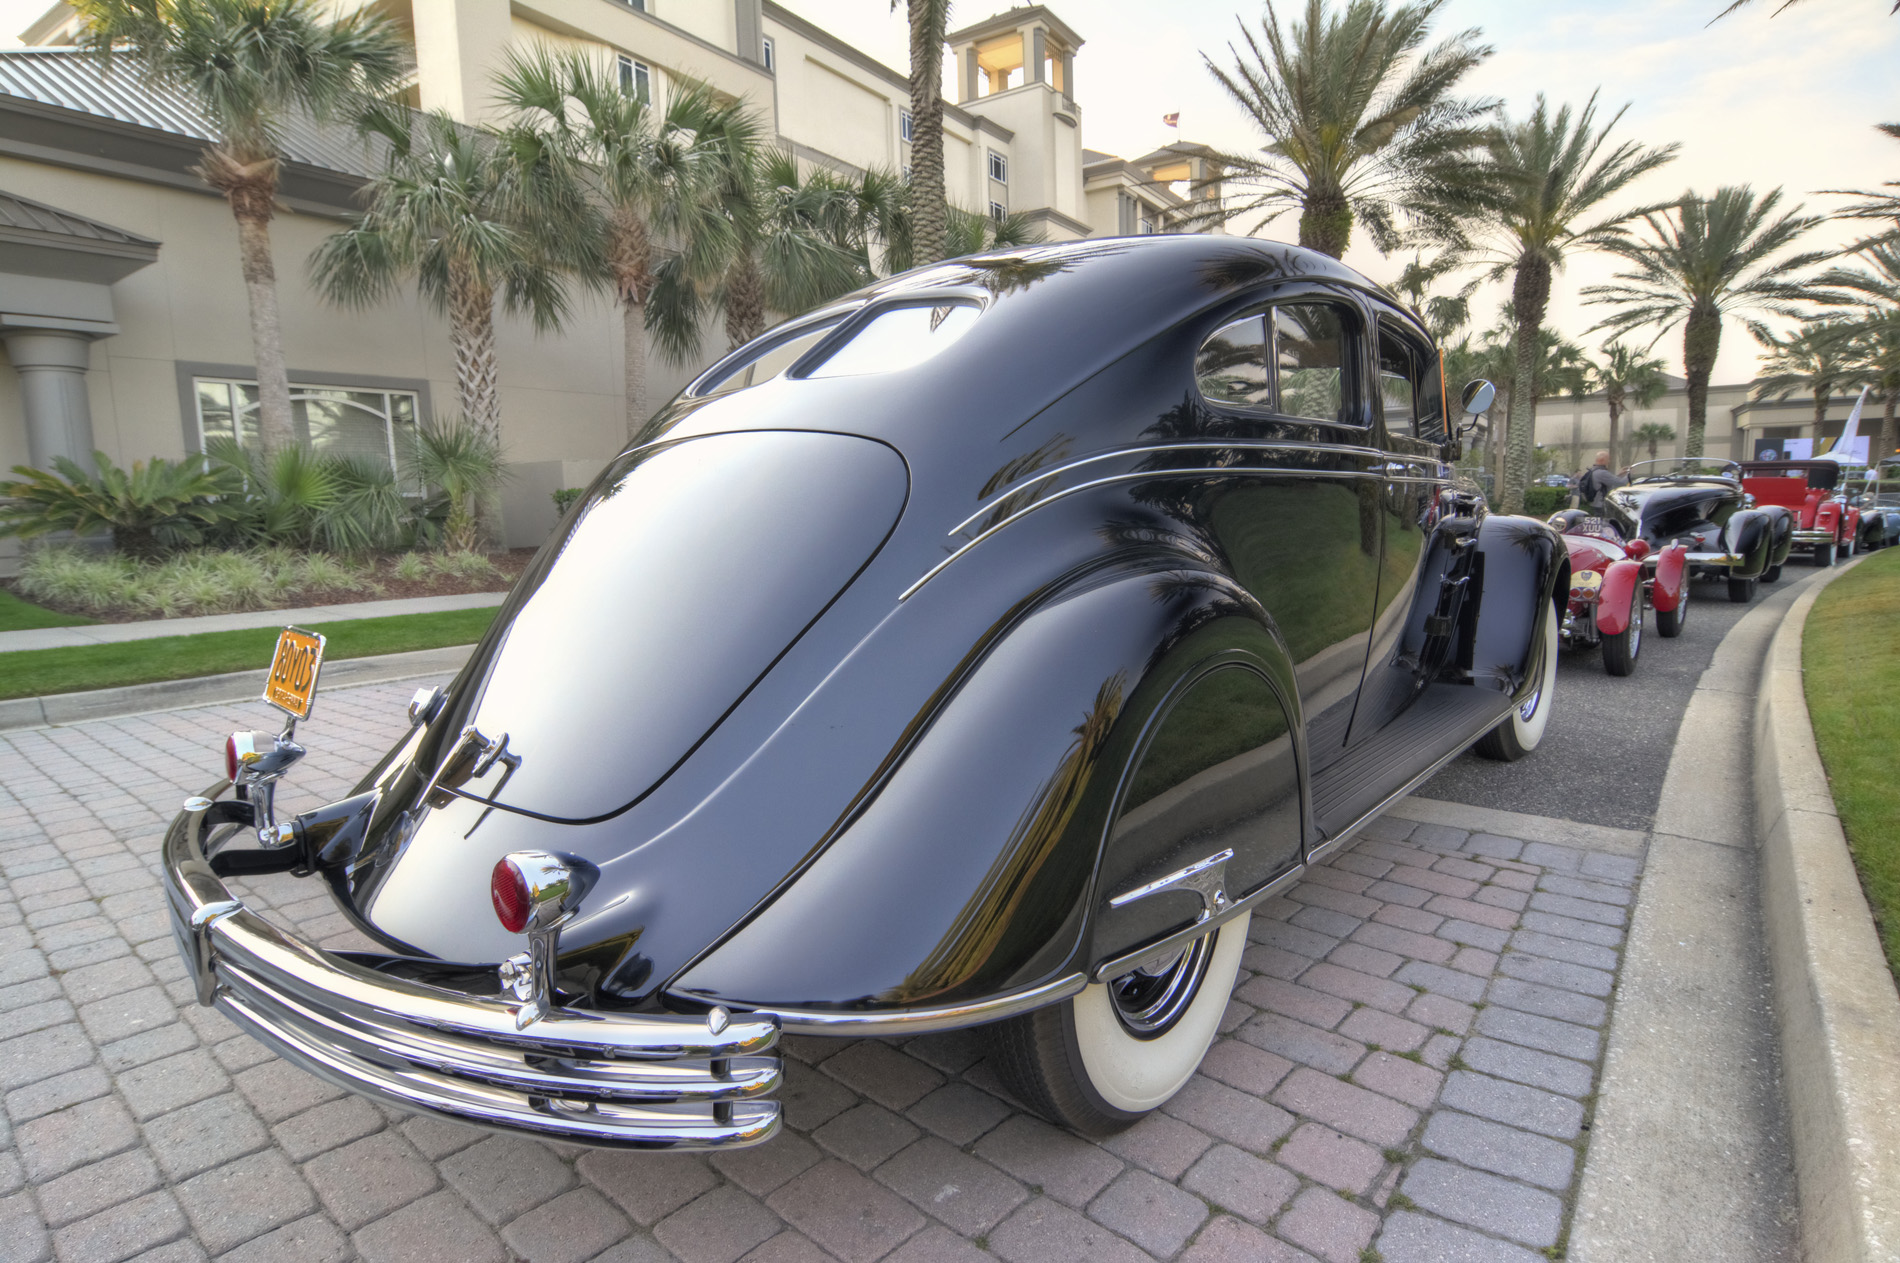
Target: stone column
{"x":52,"y":366}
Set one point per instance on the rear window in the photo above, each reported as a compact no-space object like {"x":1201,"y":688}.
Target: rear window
{"x":768,"y":363}
{"x":898,"y":338}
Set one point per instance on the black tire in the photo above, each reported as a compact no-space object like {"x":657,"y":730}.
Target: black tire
{"x":1669,"y":622}
{"x":1620,"y":650}
{"x":1772,"y":574}
{"x":1848,"y":547}
{"x":1824,"y":555}
{"x":1081,"y":1065}
{"x":1742,"y":591}
{"x":1523,"y":728}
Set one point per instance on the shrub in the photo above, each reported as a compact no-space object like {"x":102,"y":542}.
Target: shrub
{"x":564,"y":498}
{"x":464,"y":461}
{"x":411,"y":568}
{"x":152,"y":508}
{"x":185,"y":583}
{"x":1541,"y":502}
{"x":464,"y":565}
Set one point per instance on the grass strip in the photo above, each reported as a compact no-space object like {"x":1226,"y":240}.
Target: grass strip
{"x":1850,"y":655}
{"x":18,"y":615}
{"x":40,"y":672}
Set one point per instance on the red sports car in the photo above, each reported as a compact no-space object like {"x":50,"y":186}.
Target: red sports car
{"x":1613,"y":579}
{"x":1826,"y":520}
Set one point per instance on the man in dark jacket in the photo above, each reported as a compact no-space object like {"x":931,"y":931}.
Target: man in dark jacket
{"x":1594,"y":488}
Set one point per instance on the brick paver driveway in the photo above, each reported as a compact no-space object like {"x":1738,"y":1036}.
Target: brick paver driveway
{"x":1406,"y":1073}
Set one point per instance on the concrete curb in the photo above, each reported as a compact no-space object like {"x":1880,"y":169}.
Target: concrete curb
{"x":236,"y":686}
{"x":1835,"y":1003}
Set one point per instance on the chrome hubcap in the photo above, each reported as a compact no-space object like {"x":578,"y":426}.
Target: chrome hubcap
{"x":1152,"y":997}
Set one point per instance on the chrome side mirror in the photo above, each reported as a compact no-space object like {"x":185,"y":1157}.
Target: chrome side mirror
{"x":1478,"y":396}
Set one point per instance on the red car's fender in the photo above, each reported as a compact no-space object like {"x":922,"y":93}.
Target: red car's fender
{"x":1672,"y":567}
{"x":1613,"y":599}
{"x":1828,"y":517}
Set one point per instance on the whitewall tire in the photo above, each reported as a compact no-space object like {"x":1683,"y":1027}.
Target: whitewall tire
{"x":1523,"y":729}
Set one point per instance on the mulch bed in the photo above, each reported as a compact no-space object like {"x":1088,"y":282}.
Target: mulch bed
{"x":387,"y":588}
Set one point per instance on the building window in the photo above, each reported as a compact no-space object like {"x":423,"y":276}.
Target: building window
{"x":907,"y":173}
{"x":363,"y":423}
{"x":1147,"y":225}
{"x":638,"y":6}
{"x":636,"y":79}
{"x":769,"y":52}
{"x":999,"y":167}
{"x":998,"y":211}
{"x":904,"y":127}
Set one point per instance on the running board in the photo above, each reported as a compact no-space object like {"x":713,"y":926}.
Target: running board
{"x":1358,"y":784}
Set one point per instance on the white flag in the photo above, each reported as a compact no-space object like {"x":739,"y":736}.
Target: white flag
{"x":1846,"y":448}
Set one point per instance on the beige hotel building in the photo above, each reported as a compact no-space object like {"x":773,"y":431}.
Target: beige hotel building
{"x":123,"y":316}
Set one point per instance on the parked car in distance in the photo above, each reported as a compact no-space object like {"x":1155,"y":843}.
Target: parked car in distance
{"x":1554,"y":480}
{"x":978,"y":650}
{"x":1826,"y":521}
{"x":1879,"y":504}
{"x":1699,"y":503}
{"x":1613,"y":580}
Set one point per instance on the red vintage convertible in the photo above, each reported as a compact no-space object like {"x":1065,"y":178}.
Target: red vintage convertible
{"x":1614,"y":577}
{"x":1825,"y":520}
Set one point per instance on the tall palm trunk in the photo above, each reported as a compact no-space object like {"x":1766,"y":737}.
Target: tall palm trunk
{"x":1326,"y":222}
{"x":1701,"y":342}
{"x":630,"y":257}
{"x":745,"y":300}
{"x":1820,"y":409}
{"x":1614,"y":397}
{"x":929,"y":216}
{"x":472,"y":336}
{"x":1530,"y":298}
{"x":250,"y":186}
{"x":1888,"y":438}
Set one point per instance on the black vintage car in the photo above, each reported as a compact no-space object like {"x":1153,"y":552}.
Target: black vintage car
{"x":1701,"y":503}
{"x":978,"y":650}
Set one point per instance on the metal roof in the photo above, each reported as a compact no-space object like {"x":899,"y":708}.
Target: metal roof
{"x":23,"y":214}
{"x":72,"y":80}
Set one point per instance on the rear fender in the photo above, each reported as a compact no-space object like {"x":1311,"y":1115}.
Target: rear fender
{"x":936,"y":895}
{"x":1782,"y":519}
{"x":1749,"y":535}
{"x":1672,"y":568}
{"x":1828,"y":517}
{"x":1620,"y":581}
{"x":1524,"y":565}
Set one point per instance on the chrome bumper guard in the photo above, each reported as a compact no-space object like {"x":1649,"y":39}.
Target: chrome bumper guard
{"x":1715,"y":559}
{"x":603,"y":1079}
{"x":1814,"y":537}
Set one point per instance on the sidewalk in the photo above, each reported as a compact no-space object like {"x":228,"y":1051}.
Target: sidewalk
{"x":119,"y":633}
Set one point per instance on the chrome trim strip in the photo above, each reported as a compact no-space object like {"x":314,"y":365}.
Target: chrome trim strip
{"x":1715,"y":559}
{"x":1206,"y":878}
{"x":1237,"y":445}
{"x":924,"y":1021}
{"x":600,"y":1078}
{"x":1116,"y":966}
{"x":1143,"y":476}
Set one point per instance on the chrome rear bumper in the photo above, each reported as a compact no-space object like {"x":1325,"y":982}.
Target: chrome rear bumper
{"x":1814,"y":537}
{"x":1715,"y":559}
{"x":610,"y":1080}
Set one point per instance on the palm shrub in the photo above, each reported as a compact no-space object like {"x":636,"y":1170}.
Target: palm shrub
{"x":250,"y":66}
{"x":792,"y":233}
{"x":476,"y":217}
{"x":463,"y":462}
{"x":1703,"y":260}
{"x":281,"y":496}
{"x":153,"y":507}
{"x":1652,"y":434}
{"x":1536,"y":199}
{"x":1628,"y":379}
{"x":1358,"y":115}
{"x":650,"y":179}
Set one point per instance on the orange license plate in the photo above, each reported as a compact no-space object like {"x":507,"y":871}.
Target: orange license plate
{"x":292,"y":685}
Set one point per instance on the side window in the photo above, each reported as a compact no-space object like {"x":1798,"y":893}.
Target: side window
{"x":1310,"y":357}
{"x":768,"y":363}
{"x":1232,"y":365}
{"x":1398,"y":386}
{"x":898,"y":338}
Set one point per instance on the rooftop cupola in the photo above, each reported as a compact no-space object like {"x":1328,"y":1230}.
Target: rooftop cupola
{"x":1024,"y":46}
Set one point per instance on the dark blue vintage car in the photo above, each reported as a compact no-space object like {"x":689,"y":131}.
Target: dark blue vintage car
{"x":978,"y":650}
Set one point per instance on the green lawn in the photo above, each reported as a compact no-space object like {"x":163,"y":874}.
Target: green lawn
{"x":18,"y":615}
{"x":1851,"y":655}
{"x":38,"y":672}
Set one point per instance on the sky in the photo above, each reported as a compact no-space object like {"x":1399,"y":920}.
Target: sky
{"x":1785,"y":101}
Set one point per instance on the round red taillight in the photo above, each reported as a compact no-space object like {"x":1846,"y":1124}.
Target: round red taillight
{"x":509,"y":892}
{"x":230,"y":757}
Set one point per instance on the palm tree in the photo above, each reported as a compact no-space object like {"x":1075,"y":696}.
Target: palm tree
{"x":251,"y":66}
{"x":1653,"y":433}
{"x":1877,"y":204}
{"x":929,"y":205}
{"x":469,"y":214}
{"x":1706,"y":259}
{"x":1876,"y":347}
{"x":1542,"y":183}
{"x":1779,"y":8}
{"x":1358,"y":116}
{"x":1628,"y":379}
{"x":1817,"y":359}
{"x":1443,"y":314}
{"x":792,"y":231}
{"x":654,"y":176}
